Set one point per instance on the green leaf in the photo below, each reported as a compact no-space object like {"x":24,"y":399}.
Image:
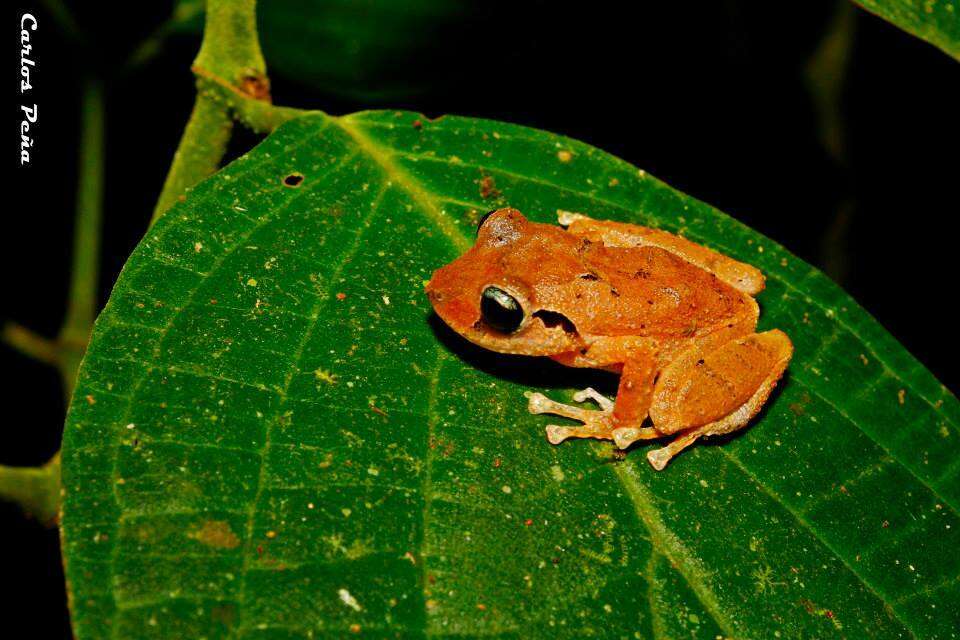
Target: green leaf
{"x":272,"y":437}
{"x":936,"y":21}
{"x":362,"y":49}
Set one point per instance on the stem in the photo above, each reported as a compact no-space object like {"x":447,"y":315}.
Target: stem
{"x":201,"y":149}
{"x":64,"y":19}
{"x":149,"y":48}
{"x":85,"y":273}
{"x":825,"y":74}
{"x":230,"y":54}
{"x":35,"y":489}
{"x":31,"y":344}
{"x":255,"y":114}
{"x":230,"y":47}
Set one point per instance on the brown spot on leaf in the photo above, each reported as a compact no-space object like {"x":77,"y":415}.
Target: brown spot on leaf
{"x":216,"y":534}
{"x":799,"y":408}
{"x":225,"y":614}
{"x":488,"y":188}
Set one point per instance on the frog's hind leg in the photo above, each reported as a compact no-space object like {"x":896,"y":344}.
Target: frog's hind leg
{"x":717,"y":392}
{"x":660,"y":457}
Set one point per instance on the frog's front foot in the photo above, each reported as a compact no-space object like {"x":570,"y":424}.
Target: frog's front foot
{"x":596,"y":424}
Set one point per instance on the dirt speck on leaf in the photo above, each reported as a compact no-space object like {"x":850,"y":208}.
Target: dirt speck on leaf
{"x":216,"y":534}
{"x":488,"y":188}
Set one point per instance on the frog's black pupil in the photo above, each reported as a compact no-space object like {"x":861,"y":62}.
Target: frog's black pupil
{"x":500,"y":310}
{"x":484,"y":219}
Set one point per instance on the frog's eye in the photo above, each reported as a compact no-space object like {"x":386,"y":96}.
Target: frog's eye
{"x":484,"y":219}
{"x":500,"y":310}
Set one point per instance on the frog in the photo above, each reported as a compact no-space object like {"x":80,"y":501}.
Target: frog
{"x":677,"y":321}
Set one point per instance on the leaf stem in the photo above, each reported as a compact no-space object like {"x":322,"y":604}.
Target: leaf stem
{"x":229,"y":56}
{"x":85,"y":273}
{"x":31,"y":344}
{"x":35,"y":489}
{"x":255,"y":114}
{"x":202,"y":146}
{"x":230,"y":48}
{"x":62,"y":16}
{"x":152,"y":45}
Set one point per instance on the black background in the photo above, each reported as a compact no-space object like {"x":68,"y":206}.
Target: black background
{"x":709,"y":97}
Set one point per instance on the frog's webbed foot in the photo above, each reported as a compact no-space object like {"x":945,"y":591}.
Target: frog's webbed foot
{"x":596,"y":424}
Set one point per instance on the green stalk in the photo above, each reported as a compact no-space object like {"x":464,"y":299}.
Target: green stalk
{"x":85,"y":274}
{"x":35,"y":489}
{"x":201,"y":149}
{"x":229,"y":56}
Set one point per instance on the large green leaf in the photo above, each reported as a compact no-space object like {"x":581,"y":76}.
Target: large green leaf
{"x":369,"y":49}
{"x":272,"y":437}
{"x":936,"y":21}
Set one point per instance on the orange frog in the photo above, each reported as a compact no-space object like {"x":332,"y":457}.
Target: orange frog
{"x":676,"y":320}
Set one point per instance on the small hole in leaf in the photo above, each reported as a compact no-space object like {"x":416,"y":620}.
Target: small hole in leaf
{"x":293,"y":180}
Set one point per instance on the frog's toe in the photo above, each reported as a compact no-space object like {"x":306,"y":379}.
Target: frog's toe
{"x":623,"y":437}
{"x":590,"y":393}
{"x":596,"y":424}
{"x":599,"y":430}
{"x":557,"y":434}
{"x":539,"y":403}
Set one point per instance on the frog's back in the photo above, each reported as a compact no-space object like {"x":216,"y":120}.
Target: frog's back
{"x":650,"y":291}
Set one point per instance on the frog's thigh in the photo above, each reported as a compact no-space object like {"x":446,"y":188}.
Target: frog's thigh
{"x":716,"y":392}
{"x":633,"y":402}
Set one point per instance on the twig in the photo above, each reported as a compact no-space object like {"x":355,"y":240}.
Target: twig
{"x":201,"y":149}
{"x":232,"y":84}
{"x":31,"y":344}
{"x":85,"y":273}
{"x":152,"y":45}
{"x":258,"y":115}
{"x":35,"y":489}
{"x":230,"y":51}
{"x":64,"y":19}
